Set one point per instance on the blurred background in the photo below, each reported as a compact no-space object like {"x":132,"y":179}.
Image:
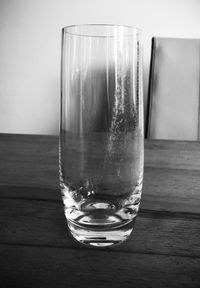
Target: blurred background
{"x":30,"y":49}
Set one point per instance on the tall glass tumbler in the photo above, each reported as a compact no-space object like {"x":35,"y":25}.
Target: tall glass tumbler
{"x":101,"y":131}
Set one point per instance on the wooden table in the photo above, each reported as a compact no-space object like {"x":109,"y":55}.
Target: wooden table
{"x":36,"y":249}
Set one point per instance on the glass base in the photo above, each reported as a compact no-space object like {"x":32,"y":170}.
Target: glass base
{"x":101,"y":237}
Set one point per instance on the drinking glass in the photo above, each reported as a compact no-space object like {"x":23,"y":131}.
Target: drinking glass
{"x":101,"y":131}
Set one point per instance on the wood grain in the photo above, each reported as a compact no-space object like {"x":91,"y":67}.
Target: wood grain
{"x":36,"y":249}
{"x":171,"y":174}
{"x":59,"y":267}
{"x":29,"y":160}
{"x":36,"y":222}
{"x":172,"y":154}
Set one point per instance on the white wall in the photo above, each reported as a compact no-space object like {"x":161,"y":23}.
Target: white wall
{"x":30,"y":45}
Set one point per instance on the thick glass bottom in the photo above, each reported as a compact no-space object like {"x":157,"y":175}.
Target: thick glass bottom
{"x":101,"y":219}
{"x":100,"y":236}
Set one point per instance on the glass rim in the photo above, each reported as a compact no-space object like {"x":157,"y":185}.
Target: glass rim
{"x":131,"y":29}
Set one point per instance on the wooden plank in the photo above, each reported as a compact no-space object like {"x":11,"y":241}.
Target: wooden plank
{"x":172,"y":154}
{"x":29,"y":160}
{"x":32,"y":160}
{"x":57,"y":267}
{"x":43,"y":223}
{"x":171,"y":190}
{"x":175,"y":190}
{"x":159,"y":153}
{"x":28,"y":192}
